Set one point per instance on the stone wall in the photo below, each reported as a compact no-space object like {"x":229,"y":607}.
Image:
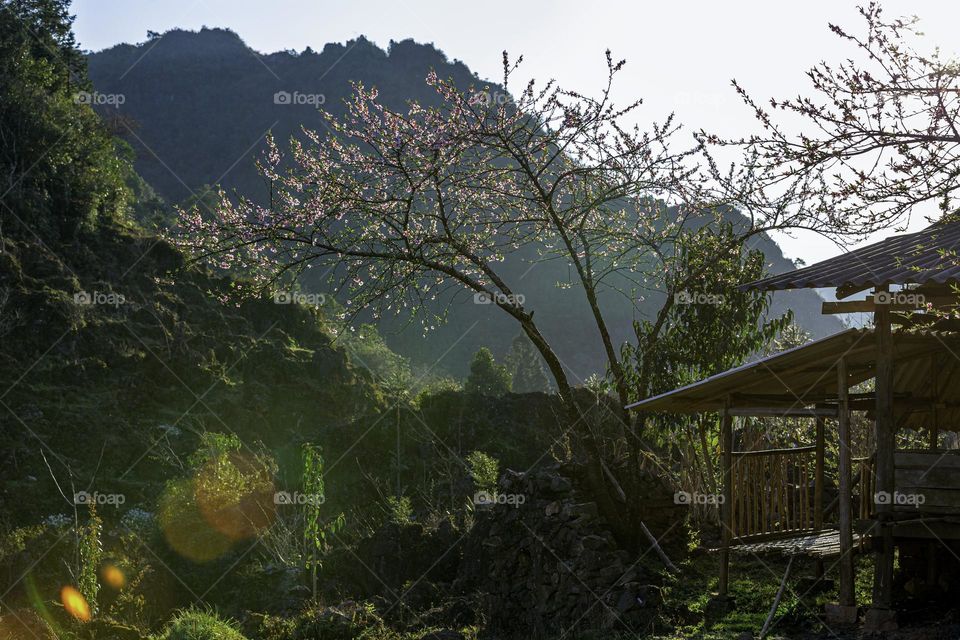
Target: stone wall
{"x":544,"y":561}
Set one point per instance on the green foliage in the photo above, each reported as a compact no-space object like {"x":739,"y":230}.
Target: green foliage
{"x":525,"y":365}
{"x":707,"y":325}
{"x":90,"y":552}
{"x":487,"y":378}
{"x":348,"y":621}
{"x":367,"y":349}
{"x":314,"y":534}
{"x":316,"y":529}
{"x":64,"y":169}
{"x":485,"y":471}
{"x":213,"y":447}
{"x":227,"y":496}
{"x":399,"y":510}
{"x":437,"y":386}
{"x":200,"y":625}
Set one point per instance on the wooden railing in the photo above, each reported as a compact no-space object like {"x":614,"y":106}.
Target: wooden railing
{"x":772,"y":492}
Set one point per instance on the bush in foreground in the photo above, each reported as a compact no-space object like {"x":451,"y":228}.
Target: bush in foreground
{"x":200,"y":625}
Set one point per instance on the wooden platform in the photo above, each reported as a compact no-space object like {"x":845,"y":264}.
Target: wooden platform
{"x":819,"y":546}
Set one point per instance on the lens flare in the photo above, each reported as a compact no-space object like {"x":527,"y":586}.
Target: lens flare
{"x":75,"y":604}
{"x":184,"y":526}
{"x":113,"y":577}
{"x":234,"y":496}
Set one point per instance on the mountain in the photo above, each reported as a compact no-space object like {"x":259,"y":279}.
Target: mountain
{"x":196,"y":107}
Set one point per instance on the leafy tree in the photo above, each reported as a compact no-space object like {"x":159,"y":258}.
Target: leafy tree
{"x":60,"y":166}
{"x":487,"y":378}
{"x":526,"y":367}
{"x":706,"y":324}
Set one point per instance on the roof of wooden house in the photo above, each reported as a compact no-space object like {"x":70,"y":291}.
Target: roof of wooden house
{"x":925,"y":257}
{"x":926,"y":369}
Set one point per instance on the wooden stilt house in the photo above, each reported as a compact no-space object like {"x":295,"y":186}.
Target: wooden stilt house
{"x":889,"y":499}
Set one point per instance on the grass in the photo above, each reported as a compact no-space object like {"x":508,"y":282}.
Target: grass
{"x":693,"y":612}
{"x":194,"y":624}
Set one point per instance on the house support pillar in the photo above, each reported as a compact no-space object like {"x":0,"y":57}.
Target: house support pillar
{"x":881,"y":615}
{"x":726,"y":506}
{"x":845,"y":612}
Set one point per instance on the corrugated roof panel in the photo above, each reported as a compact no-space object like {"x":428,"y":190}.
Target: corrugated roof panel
{"x":929,"y":255}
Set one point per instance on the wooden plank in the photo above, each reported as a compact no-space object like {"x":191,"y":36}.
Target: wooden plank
{"x":935,"y":478}
{"x":814,"y":544}
{"x":870,"y":305}
{"x":774,"y":452}
{"x":782,"y":412}
{"x":860,"y":306}
{"x":928,"y":530}
{"x":939,"y":499}
{"x":934,"y":459}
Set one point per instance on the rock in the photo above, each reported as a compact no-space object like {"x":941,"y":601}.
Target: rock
{"x":626,"y":601}
{"x":560,"y":484}
{"x":542,"y":564}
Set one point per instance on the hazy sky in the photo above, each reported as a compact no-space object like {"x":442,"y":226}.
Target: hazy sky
{"x":681,"y":55}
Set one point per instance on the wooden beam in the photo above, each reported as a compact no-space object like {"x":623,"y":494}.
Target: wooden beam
{"x":726,"y":507}
{"x":860,"y":306}
{"x":774,"y":452}
{"x":935,"y":389}
{"x":847,"y":575}
{"x":783,"y":412}
{"x":870,"y":305}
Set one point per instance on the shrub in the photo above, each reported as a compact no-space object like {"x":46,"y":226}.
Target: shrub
{"x":200,"y":625}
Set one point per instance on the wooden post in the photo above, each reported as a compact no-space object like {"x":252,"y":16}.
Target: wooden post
{"x":847,"y":577}
{"x":932,"y":547}
{"x":818,"y":487}
{"x":935,"y":393}
{"x":726,"y":507}
{"x":885,"y":430}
